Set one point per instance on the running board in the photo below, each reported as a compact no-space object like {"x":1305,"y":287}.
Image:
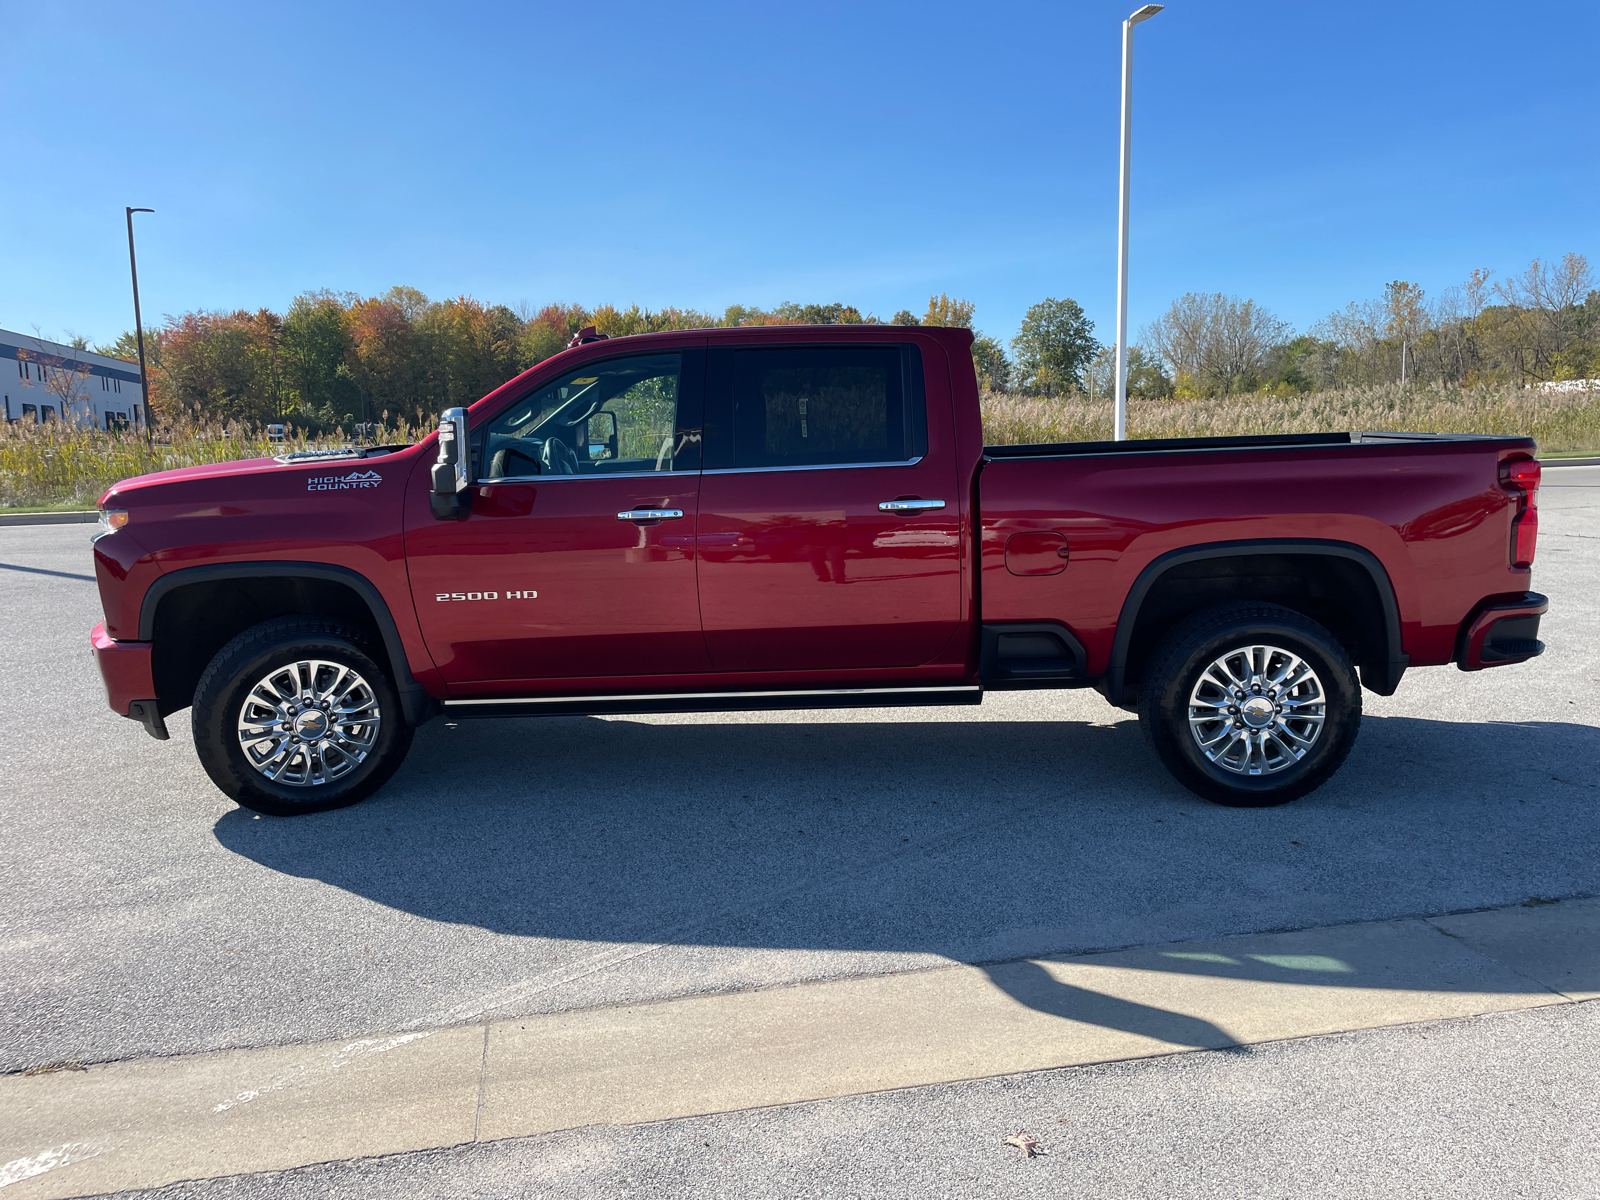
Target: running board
{"x":697,"y":702}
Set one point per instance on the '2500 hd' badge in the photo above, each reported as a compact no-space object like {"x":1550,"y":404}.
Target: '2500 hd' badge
{"x":341,"y":483}
{"x":447,"y":597}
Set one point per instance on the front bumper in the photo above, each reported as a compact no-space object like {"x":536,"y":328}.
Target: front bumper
{"x":129,"y":678}
{"x":1504,"y":631}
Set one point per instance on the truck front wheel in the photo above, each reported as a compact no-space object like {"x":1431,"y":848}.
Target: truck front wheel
{"x":1250,"y":705}
{"x":294,"y":716}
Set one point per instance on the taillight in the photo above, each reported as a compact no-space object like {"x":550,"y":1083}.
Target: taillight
{"x":1527,"y":534}
{"x":1522,"y":479}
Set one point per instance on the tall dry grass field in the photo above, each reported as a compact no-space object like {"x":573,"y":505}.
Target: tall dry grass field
{"x":60,"y":465}
{"x":1558,"y":421}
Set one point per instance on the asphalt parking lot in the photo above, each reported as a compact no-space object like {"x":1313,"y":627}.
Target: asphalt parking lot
{"x":537,"y":866}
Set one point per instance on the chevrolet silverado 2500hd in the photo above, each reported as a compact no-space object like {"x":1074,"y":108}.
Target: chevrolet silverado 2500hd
{"x":801,"y":517}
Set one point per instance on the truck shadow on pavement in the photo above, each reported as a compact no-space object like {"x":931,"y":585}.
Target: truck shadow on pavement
{"x":879,"y":845}
{"x":1030,"y":984}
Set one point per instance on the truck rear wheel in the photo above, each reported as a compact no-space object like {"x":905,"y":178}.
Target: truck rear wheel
{"x":294,"y":716}
{"x":1250,"y":705}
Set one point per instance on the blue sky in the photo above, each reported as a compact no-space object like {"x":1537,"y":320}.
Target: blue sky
{"x":707,"y":154}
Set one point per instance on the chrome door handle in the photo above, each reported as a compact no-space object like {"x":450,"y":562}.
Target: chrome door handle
{"x":650,"y":514}
{"x":910,"y":505}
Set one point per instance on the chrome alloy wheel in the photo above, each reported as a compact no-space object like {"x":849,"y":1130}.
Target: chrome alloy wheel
{"x":309,"y":723}
{"x":1257,"y":710}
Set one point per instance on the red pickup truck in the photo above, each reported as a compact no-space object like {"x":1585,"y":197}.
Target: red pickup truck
{"x":801,"y":517}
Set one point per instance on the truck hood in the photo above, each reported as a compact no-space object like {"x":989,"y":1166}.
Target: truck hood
{"x":248,"y":472}
{"x":239,"y":467}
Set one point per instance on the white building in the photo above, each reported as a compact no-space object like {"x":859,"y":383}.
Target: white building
{"x":45,"y":381}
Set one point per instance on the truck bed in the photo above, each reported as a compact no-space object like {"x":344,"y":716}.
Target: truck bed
{"x":1422,"y":514}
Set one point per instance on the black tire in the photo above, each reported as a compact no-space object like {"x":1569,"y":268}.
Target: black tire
{"x":280,"y":644}
{"x":1286,"y":769}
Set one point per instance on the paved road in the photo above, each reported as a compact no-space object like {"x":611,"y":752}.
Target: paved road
{"x":1489,"y":1108}
{"x":535,"y":866}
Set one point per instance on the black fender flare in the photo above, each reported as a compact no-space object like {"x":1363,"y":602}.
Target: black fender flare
{"x":1383,"y":678}
{"x":415,"y":702}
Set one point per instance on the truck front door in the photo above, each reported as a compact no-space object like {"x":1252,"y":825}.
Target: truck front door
{"x":828,"y":535}
{"x":578,"y":557}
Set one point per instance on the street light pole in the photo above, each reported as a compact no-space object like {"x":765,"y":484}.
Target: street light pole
{"x":138,"y":324}
{"x":1120,"y":422}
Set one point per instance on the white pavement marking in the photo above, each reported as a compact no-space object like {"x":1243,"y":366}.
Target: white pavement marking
{"x":63,"y":1155}
{"x":331,"y":1060}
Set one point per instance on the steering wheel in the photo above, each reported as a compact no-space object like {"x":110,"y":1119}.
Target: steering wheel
{"x":558,"y":458}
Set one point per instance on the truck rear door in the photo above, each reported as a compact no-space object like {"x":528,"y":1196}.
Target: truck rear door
{"x":828,"y":531}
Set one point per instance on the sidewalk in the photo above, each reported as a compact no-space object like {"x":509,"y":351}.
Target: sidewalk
{"x":75,"y":1131}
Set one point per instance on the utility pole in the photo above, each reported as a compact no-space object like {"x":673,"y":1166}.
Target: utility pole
{"x":1120,"y":421}
{"x":138,"y":326}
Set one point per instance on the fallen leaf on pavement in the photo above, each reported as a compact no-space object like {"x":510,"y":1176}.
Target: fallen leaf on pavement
{"x":1027,"y":1143}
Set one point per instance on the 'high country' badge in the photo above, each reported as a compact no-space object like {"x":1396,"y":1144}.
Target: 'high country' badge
{"x":340,"y":483}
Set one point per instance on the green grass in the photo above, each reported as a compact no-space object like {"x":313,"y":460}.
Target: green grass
{"x":67,"y":506}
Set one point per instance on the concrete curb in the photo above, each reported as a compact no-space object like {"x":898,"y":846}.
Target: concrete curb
{"x":1551,"y":463}
{"x":80,"y":517}
{"x":144,"y":1123}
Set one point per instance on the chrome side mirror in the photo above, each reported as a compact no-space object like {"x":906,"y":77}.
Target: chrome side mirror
{"x":452,"y":470}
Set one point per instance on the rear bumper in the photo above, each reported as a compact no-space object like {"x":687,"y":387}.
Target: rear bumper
{"x":1503,"y":631}
{"x":130,"y":681}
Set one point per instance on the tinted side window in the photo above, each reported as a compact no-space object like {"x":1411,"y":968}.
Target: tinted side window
{"x":823,"y":405}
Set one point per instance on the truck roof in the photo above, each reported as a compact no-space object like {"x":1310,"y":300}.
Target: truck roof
{"x":874,"y":332}
{"x":952,"y":338}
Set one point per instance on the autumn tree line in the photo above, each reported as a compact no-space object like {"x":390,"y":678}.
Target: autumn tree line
{"x":335,"y":360}
{"x":1540,"y":325}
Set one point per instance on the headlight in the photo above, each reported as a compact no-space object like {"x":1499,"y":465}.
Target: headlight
{"x":111,"y":520}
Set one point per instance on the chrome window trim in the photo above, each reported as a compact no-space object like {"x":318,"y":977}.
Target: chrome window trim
{"x":879,"y":691}
{"x":595,"y":475}
{"x":899,"y":462}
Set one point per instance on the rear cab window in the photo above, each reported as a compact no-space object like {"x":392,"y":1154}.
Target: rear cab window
{"x":814,"y":406}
